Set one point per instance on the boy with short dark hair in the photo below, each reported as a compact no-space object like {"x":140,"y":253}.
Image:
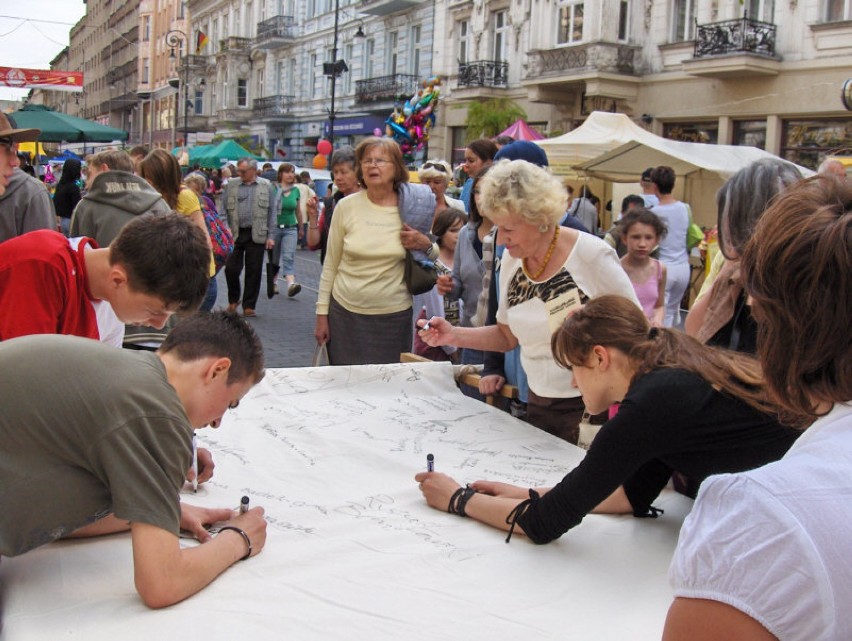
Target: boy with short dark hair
{"x":158,"y":265}
{"x":107,"y":449}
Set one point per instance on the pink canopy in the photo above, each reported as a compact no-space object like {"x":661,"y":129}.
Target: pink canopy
{"x":519,"y":130}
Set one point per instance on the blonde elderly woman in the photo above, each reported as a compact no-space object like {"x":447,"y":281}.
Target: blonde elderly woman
{"x":548,"y":272}
{"x":364,"y":310}
{"x":436,"y":175}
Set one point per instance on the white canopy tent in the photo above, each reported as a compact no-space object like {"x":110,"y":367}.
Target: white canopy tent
{"x":602,"y":132}
{"x":613,"y":148}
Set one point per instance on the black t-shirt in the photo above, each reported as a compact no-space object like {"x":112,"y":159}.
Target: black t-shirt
{"x":670,"y":420}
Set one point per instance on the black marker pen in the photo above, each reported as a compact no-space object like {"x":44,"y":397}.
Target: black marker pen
{"x":430,"y":462}
{"x":244,"y":505}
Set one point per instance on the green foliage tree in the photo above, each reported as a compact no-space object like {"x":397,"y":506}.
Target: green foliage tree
{"x":489,"y":117}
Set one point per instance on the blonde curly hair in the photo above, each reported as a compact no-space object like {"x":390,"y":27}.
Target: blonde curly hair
{"x":519,"y":188}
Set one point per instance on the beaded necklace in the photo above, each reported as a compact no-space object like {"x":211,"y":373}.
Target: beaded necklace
{"x":546,"y":257}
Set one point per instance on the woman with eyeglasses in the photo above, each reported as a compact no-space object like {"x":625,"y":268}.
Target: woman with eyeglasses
{"x":364,"y":309}
{"x":478,"y":155}
{"x":436,"y":175}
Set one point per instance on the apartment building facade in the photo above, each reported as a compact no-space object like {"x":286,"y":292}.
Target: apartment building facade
{"x":763,"y":72}
{"x":271,"y":65}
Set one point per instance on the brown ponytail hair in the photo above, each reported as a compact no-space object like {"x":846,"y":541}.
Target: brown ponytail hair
{"x":798,"y":270}
{"x":616,"y":322}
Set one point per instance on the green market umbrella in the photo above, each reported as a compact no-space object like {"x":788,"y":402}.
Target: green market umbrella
{"x":59,"y":127}
{"x":217,"y":155}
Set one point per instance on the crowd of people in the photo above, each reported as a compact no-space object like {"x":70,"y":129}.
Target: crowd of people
{"x":746,"y":409}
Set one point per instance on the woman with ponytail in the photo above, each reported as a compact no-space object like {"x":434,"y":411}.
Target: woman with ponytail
{"x":685,"y":407}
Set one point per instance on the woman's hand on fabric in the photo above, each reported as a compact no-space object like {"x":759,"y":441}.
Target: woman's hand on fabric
{"x":412,"y":239}
{"x":491,"y":384}
{"x":321,"y":332}
{"x":439,"y":332}
{"x":437,"y":488}
{"x":502,"y":490}
{"x":444,"y":283}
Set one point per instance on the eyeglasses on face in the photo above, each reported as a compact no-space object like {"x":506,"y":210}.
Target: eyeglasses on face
{"x":375,"y":162}
{"x":434,"y":165}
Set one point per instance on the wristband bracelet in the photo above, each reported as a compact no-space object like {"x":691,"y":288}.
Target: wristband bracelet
{"x":459,"y":500}
{"x":242,"y":534}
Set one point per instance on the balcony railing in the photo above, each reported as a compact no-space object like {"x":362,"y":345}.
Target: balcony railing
{"x":483,"y":73}
{"x":596,"y":56}
{"x":275,"y":31}
{"x":735,"y":36}
{"x":384,"y":88}
{"x":233,"y":43}
{"x":195,"y":61}
{"x":271,"y":106}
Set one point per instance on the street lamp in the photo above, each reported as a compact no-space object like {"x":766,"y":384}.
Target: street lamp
{"x":335,"y":68}
{"x":173,"y":39}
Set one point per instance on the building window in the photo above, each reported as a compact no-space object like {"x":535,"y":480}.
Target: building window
{"x":369,"y":53}
{"x":707,"y":132}
{"x":623,"y":21}
{"x":146,"y":28}
{"x":312,"y":8}
{"x":226,"y":18}
{"x":808,"y":142}
{"x":215,"y":35}
{"x":750,"y":132}
{"x":261,"y":81}
{"x":414,"y":53}
{"x":146,"y":70}
{"x":463,"y":30}
{"x":198,"y":103}
{"x":501,"y":36}
{"x":763,"y":10}
{"x":393,"y":56}
{"x":683,"y":20}
{"x":249,"y":18}
{"x":348,"y":50}
{"x":312,"y":76}
{"x":570,"y":23}
{"x":836,"y":10}
{"x":242,"y":92}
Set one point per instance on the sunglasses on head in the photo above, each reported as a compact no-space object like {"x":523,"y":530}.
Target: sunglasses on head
{"x":434,"y":165}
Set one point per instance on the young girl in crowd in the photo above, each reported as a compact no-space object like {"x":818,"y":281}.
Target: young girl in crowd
{"x":445,"y":227}
{"x":765,"y":554}
{"x":642,"y":231}
{"x":684,"y":407}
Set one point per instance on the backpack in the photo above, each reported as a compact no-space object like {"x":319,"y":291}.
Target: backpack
{"x":220,"y":235}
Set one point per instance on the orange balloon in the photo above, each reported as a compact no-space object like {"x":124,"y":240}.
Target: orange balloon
{"x":320,"y":162}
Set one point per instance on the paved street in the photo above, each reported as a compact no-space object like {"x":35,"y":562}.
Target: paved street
{"x":286,"y":325}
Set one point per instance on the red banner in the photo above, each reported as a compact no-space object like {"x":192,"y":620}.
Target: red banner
{"x":41,"y":79}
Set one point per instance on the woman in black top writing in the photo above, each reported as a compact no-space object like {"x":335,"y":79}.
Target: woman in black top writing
{"x":685,"y":407}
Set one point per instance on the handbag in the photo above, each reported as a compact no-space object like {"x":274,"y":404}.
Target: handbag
{"x":320,"y":355}
{"x":220,"y":234}
{"x":420,"y":275}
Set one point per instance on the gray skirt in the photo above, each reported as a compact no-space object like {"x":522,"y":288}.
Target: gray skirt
{"x":362,"y":339}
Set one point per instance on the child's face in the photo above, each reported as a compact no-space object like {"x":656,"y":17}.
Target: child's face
{"x":640,"y":240}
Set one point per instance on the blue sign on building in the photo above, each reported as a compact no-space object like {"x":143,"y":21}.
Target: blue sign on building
{"x":356,"y":125}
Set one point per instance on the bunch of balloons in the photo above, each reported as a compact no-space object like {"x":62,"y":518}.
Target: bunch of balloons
{"x":320,"y":161}
{"x":409,"y":123}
